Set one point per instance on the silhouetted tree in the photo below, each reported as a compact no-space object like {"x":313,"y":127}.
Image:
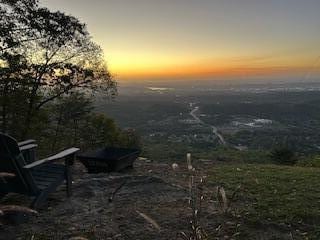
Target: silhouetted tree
{"x":45,"y":55}
{"x":68,"y":114}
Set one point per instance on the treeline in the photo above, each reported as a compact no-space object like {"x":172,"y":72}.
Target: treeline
{"x":50,"y":70}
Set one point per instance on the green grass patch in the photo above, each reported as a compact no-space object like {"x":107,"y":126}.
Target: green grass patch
{"x":274,"y":194}
{"x":176,"y":152}
{"x":309,"y":161}
{"x":225,"y":154}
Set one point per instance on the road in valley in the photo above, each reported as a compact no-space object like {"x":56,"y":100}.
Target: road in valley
{"x":214,"y":129}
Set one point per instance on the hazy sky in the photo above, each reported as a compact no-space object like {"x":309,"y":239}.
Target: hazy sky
{"x":191,"y":39}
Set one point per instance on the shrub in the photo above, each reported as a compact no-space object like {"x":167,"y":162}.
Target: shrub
{"x":283,"y":155}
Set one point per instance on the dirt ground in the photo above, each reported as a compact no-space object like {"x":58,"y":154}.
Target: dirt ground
{"x":149,"y":201}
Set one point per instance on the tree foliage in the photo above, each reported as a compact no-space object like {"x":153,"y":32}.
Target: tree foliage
{"x":44,"y":55}
{"x":50,"y":70}
{"x":283,"y":155}
{"x":73,"y":122}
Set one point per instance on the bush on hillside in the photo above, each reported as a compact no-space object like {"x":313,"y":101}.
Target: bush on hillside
{"x":283,"y":155}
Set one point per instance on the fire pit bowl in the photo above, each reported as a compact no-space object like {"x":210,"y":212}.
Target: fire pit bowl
{"x":109,"y":159}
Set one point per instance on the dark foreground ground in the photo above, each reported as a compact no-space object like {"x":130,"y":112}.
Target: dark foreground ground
{"x":263,"y":202}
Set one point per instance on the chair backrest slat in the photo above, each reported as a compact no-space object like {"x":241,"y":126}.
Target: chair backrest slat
{"x":12,"y":161}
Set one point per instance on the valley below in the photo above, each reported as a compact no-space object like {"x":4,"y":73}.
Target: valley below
{"x":202,"y":121}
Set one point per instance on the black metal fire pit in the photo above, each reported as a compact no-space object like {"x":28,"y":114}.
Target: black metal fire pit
{"x":109,"y":159}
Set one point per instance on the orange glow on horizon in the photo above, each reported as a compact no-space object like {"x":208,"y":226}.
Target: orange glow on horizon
{"x":210,"y":71}
{"x":131,"y":66}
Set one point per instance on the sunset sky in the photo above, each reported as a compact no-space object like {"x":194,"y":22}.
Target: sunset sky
{"x":203,"y":39}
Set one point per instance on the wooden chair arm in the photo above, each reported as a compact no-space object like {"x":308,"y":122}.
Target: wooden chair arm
{"x":26,"y":142}
{"x":27,"y":147}
{"x":63,"y":154}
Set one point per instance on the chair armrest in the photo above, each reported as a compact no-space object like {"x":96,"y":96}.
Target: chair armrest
{"x":58,"y":156}
{"x":27,"y":147}
{"x":27,"y":142}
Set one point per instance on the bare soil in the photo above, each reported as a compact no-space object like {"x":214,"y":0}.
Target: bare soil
{"x":129,"y":205}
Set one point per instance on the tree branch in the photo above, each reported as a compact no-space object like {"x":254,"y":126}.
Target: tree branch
{"x":21,"y":41}
{"x":67,"y":89}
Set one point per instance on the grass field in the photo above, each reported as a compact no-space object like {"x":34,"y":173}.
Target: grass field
{"x":274,"y":195}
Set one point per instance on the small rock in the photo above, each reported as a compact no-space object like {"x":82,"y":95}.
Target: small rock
{"x":230,"y":223}
{"x":175,"y":166}
{"x":78,"y":238}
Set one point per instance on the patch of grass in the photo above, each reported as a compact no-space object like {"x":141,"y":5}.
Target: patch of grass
{"x":271,"y":194}
{"x":175,"y":152}
{"x":309,"y":161}
{"x":225,"y":154}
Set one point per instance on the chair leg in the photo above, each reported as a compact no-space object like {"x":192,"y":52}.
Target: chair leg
{"x":68,"y":162}
{"x":68,"y":181}
{"x":39,"y":199}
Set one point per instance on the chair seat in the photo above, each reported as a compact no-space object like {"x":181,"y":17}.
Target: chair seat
{"x":48,"y":174}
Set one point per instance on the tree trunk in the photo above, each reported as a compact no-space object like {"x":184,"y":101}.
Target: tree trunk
{"x":4,"y":107}
{"x":28,"y":120}
{"x":30,"y":113}
{"x":53,"y":146}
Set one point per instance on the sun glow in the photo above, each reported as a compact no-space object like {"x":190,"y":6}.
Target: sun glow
{"x":159,"y":66}
{"x":176,"y":39}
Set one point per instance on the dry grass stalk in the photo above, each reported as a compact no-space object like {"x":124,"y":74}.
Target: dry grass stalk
{"x":189,"y":162}
{"x":6,"y":210}
{"x":78,"y":238}
{"x":195,"y":201}
{"x":6,"y":175}
{"x":13,"y":208}
{"x":113,"y":194}
{"x":223,"y":201}
{"x":149,"y":220}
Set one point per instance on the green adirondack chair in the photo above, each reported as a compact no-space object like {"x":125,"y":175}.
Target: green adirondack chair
{"x":28,"y":150}
{"x":38,"y":178}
